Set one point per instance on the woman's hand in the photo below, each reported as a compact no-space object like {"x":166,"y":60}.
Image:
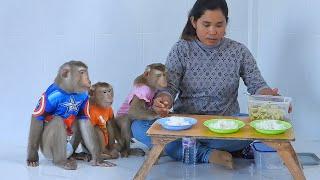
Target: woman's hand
{"x":273,"y":92}
{"x":162,"y":104}
{"x":269,"y":91}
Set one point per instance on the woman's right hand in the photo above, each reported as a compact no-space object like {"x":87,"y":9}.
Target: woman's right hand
{"x":162,"y":104}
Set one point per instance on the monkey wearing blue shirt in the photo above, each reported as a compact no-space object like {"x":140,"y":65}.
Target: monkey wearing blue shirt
{"x":62,"y":112}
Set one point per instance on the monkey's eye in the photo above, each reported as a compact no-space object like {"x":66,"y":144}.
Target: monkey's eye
{"x":104,"y":91}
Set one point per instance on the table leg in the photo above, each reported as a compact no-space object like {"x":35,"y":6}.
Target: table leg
{"x":158,"y":146}
{"x":289,"y":157}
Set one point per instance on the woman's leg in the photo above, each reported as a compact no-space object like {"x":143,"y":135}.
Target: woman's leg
{"x":205,"y":149}
{"x":209,"y":145}
{"x":174,"y":149}
{"x":139,"y":131}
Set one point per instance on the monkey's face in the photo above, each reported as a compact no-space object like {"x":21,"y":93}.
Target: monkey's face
{"x":103,"y":96}
{"x":80,"y":79}
{"x":157,"y":79}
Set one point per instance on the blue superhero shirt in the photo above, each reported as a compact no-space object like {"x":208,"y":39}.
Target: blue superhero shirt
{"x":57,"y":102}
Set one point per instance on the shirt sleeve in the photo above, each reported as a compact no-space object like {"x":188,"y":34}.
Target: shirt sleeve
{"x":84,"y":110}
{"x":142,"y":92}
{"x":250,"y":72}
{"x":175,"y":67}
{"x":43,"y":108}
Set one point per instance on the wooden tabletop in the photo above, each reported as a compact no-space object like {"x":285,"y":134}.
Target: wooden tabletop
{"x":200,"y":131}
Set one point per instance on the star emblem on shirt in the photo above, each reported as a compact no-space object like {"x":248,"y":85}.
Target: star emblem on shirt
{"x":72,"y":105}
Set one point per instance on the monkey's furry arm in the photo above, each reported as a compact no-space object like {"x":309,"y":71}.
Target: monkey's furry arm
{"x":139,"y":110}
{"x":36,"y":128}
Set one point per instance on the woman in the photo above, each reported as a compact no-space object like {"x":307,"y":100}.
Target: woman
{"x":204,"y":69}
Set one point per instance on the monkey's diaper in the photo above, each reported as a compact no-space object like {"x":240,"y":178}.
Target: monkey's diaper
{"x":69,"y":149}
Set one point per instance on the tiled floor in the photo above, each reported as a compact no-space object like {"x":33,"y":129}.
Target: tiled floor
{"x":13,"y":166}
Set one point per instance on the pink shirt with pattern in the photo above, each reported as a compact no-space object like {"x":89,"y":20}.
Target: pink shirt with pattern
{"x":140,"y":91}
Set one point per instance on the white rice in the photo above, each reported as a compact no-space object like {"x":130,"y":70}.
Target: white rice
{"x":270,"y":125}
{"x":224,"y":124}
{"x":177,"y":121}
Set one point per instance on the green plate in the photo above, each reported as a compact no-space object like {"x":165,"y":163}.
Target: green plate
{"x":265,"y":126}
{"x":213,"y":125}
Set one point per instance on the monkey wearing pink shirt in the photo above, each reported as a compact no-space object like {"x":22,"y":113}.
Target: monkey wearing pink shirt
{"x":138,"y":105}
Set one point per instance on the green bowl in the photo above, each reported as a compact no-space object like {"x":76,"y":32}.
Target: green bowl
{"x":268,"y":126}
{"x":213,"y":125}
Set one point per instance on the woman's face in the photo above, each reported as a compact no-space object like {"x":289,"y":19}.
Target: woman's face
{"x":210,"y":27}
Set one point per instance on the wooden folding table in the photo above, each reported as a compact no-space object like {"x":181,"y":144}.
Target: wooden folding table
{"x":281,"y":142}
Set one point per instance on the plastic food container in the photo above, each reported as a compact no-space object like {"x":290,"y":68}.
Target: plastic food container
{"x":266,"y":158}
{"x":268,"y":107}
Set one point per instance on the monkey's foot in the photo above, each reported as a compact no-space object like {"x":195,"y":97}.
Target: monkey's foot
{"x":136,"y":152}
{"x":124,"y":153}
{"x":105,"y":156}
{"x":68,"y":165}
{"x":82,"y":156}
{"x":110,"y":154}
{"x":114,"y":154}
{"x":222,"y":158}
{"x":103,"y":163}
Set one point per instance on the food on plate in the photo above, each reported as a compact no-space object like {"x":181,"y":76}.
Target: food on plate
{"x":224,"y":124}
{"x":177,"y":121}
{"x":270,"y":125}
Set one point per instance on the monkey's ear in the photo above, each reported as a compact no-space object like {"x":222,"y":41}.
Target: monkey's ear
{"x":146,"y":74}
{"x":91,"y":91}
{"x":64,"y":73}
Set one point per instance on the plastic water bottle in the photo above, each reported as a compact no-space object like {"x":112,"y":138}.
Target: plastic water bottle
{"x":69,"y":147}
{"x":189,"y":149}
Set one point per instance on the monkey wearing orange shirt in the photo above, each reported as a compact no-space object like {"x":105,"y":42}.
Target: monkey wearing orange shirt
{"x":102,"y":118}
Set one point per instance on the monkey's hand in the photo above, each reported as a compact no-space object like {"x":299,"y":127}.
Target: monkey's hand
{"x":33,"y":161}
{"x":139,"y":110}
{"x":102,"y":163}
{"x":162,"y":104}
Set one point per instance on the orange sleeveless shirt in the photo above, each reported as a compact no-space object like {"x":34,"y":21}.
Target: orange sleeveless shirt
{"x":106,"y":113}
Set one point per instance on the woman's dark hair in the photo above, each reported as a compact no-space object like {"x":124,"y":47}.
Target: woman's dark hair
{"x":198,"y":10}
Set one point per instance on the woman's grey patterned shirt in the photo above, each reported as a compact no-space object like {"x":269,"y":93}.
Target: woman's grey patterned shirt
{"x":206,"y":78}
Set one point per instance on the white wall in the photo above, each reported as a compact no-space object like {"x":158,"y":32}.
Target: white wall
{"x":117,"y":38}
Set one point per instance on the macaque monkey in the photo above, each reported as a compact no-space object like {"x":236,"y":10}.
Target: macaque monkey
{"x":137,"y":105}
{"x":102,"y":118}
{"x":62,"y":112}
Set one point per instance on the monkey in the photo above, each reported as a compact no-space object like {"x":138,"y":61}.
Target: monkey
{"x":61,"y":113}
{"x":137,"y":105}
{"x":102,"y":118}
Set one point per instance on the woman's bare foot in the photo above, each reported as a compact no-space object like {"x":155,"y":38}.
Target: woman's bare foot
{"x":223,"y":158}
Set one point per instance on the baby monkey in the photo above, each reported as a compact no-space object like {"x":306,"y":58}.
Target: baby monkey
{"x":102,"y":118}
